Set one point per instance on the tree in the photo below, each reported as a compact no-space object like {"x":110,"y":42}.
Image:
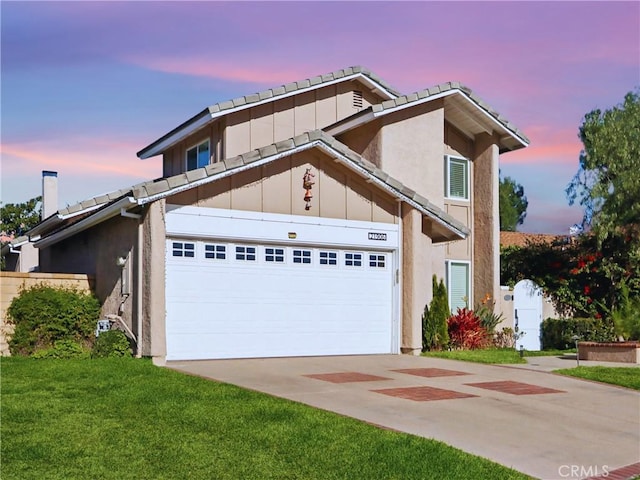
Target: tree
{"x":17,"y":218}
{"x":513,"y":204}
{"x":434,"y":321}
{"x":607,"y":183}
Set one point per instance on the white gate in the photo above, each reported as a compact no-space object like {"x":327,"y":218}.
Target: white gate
{"x":527,"y":306}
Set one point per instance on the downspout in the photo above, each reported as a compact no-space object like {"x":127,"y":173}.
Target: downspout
{"x":139,"y":289}
{"x":125,"y":213}
{"x":399,"y":274}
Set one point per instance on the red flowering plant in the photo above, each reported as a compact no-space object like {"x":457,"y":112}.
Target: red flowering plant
{"x":466,"y":331}
{"x":583,"y":277}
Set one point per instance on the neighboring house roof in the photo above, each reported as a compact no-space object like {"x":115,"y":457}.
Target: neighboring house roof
{"x":12,"y":242}
{"x":141,"y":194}
{"x":375,"y":83}
{"x":463,"y":107}
{"x":520,"y":239}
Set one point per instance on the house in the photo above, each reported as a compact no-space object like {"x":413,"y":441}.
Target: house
{"x":307,"y":219}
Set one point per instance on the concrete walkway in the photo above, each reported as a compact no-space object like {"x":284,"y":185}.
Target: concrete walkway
{"x":545,"y":425}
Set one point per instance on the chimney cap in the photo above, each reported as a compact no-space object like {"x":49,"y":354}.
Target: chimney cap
{"x":49,"y":173}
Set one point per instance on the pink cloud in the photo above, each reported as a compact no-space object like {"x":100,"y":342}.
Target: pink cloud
{"x":93,"y":157}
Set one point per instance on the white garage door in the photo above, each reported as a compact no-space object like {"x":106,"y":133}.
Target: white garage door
{"x":234,"y":298}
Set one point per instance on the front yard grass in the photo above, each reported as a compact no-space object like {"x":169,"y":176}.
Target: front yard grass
{"x":494,"y":355}
{"x":623,"y":376}
{"x":125,"y":418}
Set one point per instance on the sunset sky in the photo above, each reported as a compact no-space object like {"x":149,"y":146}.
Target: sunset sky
{"x":85,"y":85}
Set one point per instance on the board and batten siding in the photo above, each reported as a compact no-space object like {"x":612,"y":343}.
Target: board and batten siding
{"x":262,"y":125}
{"x":277,"y":188}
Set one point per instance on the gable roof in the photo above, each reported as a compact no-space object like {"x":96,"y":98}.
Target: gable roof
{"x":446,"y":227}
{"x":463,"y":107}
{"x":375,"y":83}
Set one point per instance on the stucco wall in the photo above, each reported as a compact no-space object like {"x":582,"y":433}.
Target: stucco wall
{"x":11,"y":283}
{"x":95,"y":252}
{"x":277,"y":188}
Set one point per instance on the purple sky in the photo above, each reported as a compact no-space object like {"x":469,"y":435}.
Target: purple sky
{"x":85,"y":85}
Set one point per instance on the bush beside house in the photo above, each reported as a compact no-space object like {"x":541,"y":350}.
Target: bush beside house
{"x":53,"y":321}
{"x":435,"y":335}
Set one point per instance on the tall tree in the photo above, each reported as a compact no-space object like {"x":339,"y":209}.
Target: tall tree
{"x":17,"y":218}
{"x":513,"y":204}
{"x":607,"y":183}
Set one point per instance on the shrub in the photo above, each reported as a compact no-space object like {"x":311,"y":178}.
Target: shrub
{"x":466,"y":331}
{"x":626,"y":316}
{"x":113,"y":343}
{"x":63,"y":349}
{"x":434,"y":320}
{"x":485,"y":311}
{"x":558,"y":333}
{"x":43,"y":315}
{"x":506,"y":338}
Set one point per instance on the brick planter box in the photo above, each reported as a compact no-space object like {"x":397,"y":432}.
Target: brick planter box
{"x":623,"y":352}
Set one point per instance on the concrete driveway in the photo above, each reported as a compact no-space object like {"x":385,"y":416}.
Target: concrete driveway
{"x":545,"y":425}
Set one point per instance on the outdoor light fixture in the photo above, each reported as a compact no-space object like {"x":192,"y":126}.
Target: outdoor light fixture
{"x":121,"y":262}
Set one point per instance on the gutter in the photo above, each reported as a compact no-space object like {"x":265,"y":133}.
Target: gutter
{"x":105,"y":214}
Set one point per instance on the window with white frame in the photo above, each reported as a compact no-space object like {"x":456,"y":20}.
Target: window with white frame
{"x":274,"y":255}
{"x":215,"y":252}
{"x":302,"y":256}
{"x":183,"y":249}
{"x":456,"y":178}
{"x":353,"y":259}
{"x":199,"y":155}
{"x":328,"y":258}
{"x":459,"y":284}
{"x":377,"y":260}
{"x":244,"y":253}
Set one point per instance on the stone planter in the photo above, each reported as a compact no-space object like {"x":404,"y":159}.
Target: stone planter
{"x":623,"y":352}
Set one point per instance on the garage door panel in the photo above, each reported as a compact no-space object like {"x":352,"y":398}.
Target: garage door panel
{"x":233,"y":309}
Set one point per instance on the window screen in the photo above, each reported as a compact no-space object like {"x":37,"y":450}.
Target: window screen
{"x":458,"y":178}
{"x":458,"y":285}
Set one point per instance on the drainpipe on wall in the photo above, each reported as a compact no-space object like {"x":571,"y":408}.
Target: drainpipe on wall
{"x":137,"y":216}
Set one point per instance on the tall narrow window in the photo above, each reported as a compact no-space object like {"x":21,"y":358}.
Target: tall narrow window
{"x":457,"y":177}
{"x":458,"y":284}
{"x":198,"y":156}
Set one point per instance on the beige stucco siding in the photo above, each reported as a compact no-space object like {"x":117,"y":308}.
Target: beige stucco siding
{"x":95,"y":252}
{"x":277,"y":188}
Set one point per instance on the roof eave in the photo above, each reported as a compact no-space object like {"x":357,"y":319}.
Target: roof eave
{"x":212,"y":113}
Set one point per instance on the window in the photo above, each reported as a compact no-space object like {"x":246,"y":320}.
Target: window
{"x":328,"y":258}
{"x":216,"y":252}
{"x":377,"y":260}
{"x":457,"y":177}
{"x":353,"y":259}
{"x":458,"y":285}
{"x":198,"y":156}
{"x":274,"y":255}
{"x":246,"y":253}
{"x":183,"y":249}
{"x":302,"y":256}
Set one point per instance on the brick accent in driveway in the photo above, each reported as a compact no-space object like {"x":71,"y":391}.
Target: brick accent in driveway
{"x":514,"y":388}
{"x":423,"y":394}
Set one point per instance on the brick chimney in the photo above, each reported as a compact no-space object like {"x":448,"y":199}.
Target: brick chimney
{"x":49,"y":193}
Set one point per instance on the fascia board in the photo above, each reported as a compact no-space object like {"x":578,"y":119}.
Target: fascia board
{"x":99,"y":217}
{"x":190,"y":128}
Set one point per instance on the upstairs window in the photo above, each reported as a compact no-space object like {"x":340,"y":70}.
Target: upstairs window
{"x":198,"y":156}
{"x":457,"y":178}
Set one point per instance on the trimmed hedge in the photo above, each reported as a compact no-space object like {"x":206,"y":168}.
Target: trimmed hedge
{"x":557,"y":333}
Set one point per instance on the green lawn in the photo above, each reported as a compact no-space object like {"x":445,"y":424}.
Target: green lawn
{"x":493,"y":355}
{"x":623,"y":376}
{"x":127,"y":419}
